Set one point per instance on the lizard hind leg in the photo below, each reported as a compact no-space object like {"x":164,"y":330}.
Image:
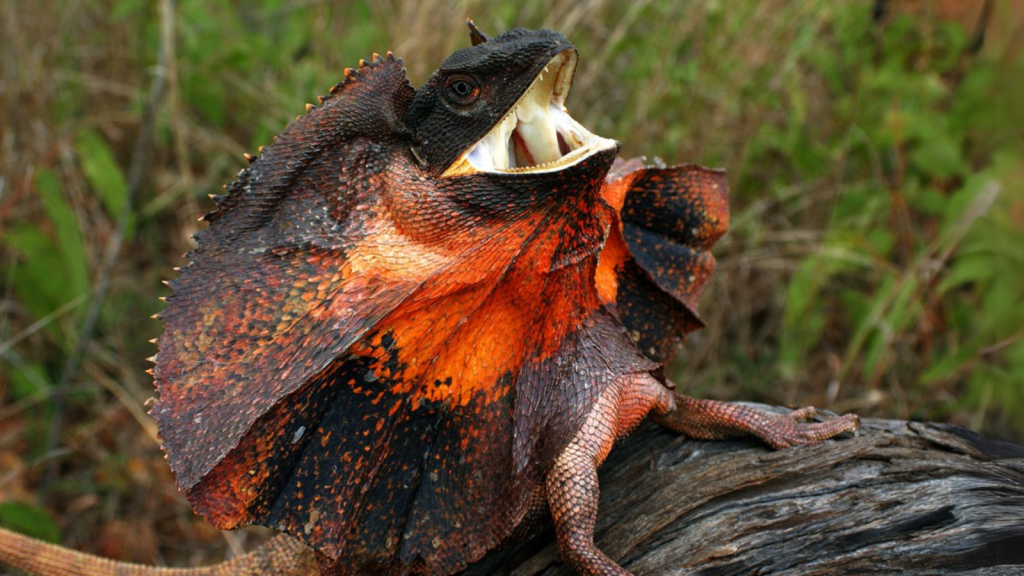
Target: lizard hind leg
{"x":716,"y":420}
{"x":572,"y":485}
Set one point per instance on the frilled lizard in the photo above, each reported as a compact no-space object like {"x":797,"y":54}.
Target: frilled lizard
{"x":421,"y":318}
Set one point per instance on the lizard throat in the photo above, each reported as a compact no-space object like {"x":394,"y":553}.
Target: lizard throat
{"x":536,"y":134}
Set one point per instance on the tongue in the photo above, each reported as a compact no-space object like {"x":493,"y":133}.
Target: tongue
{"x":521,"y":149}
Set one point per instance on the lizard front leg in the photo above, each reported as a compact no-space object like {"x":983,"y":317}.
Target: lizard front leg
{"x":572,"y":486}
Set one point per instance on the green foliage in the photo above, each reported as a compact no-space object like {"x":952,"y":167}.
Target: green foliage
{"x":104,"y":174}
{"x":919,"y":264}
{"x":252,"y":66}
{"x":27,"y":380}
{"x":29,"y":520}
{"x":985,"y":287}
{"x":51,"y":269}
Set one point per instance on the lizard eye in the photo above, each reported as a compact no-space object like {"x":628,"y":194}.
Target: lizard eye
{"x":462,"y":90}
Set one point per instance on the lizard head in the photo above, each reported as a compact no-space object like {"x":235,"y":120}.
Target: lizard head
{"x":499,"y":107}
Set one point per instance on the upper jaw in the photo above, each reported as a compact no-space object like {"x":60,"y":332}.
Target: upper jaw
{"x":537,"y":134}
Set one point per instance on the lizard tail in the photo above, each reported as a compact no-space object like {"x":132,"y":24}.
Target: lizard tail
{"x":281,"y":555}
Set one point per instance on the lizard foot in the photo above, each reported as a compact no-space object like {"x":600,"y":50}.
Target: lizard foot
{"x":714,"y":420}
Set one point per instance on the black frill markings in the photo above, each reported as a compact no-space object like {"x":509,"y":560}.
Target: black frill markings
{"x":670,"y":219}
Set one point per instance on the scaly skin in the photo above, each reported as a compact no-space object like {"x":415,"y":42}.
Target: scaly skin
{"x":282,"y":555}
{"x":572,"y":487}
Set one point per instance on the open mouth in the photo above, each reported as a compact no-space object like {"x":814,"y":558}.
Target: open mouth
{"x":537,"y":134}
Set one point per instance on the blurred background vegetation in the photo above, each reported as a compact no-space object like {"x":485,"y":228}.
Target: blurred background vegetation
{"x":875,"y":262}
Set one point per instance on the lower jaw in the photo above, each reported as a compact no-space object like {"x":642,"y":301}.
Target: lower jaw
{"x":580,"y":174}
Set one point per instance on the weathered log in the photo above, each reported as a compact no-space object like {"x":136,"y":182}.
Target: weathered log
{"x":899,"y":498}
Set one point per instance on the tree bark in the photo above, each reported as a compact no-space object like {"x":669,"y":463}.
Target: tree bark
{"x":898,"y":498}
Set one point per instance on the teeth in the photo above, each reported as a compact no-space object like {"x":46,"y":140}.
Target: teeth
{"x":536,"y":129}
{"x":499,"y":146}
{"x":527,"y":138}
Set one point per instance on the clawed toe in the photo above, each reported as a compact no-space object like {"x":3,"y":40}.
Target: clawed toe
{"x":793,"y":430}
{"x":803,"y":414}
